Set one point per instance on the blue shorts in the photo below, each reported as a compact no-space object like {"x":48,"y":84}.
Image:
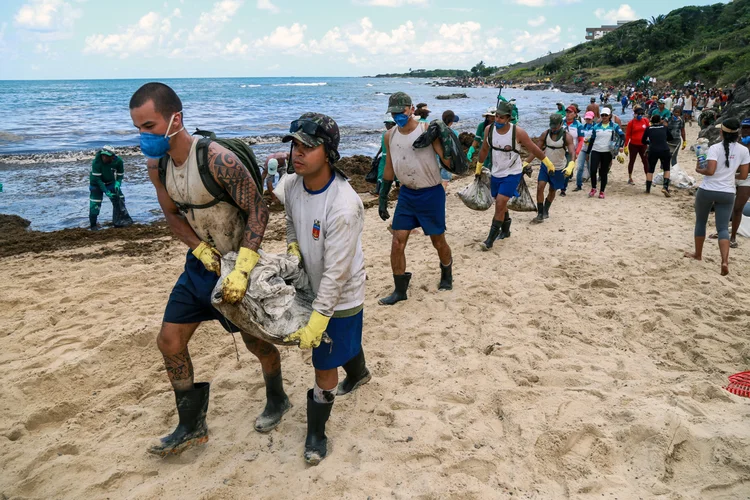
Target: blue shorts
{"x":556,"y":180}
{"x":506,"y":186}
{"x":190,"y":300}
{"x":445,"y":175}
{"x":346,"y":337}
{"x":423,"y":208}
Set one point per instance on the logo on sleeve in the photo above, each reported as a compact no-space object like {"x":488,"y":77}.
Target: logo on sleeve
{"x":316,"y":230}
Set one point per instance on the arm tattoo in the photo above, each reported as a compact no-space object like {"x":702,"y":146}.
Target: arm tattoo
{"x":180,"y":370}
{"x":230,"y":173}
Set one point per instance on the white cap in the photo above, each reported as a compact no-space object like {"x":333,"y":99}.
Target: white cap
{"x":605,"y":111}
{"x":273,"y":166}
{"x":490,"y":112}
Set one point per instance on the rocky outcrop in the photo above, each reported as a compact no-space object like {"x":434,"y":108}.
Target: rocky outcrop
{"x":738,"y":107}
{"x":451,"y":96}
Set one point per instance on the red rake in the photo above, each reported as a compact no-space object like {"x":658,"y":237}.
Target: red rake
{"x":739,"y":384}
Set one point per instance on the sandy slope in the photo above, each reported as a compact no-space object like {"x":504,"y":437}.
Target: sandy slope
{"x":581,"y":358}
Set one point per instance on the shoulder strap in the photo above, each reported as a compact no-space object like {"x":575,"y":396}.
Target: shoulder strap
{"x":211,"y":185}
{"x":163,"y":162}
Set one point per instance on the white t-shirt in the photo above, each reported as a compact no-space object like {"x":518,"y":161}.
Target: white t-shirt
{"x":328,"y":226}
{"x":723,"y":179}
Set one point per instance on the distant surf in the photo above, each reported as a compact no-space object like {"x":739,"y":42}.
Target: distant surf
{"x":315,"y":84}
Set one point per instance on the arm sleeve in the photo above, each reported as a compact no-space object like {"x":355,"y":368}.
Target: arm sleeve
{"x":628,"y":133}
{"x":96,"y":173}
{"x":119,"y":169}
{"x":711,"y":154}
{"x":480,"y":133}
{"x":291,"y":234}
{"x":340,"y":248}
{"x":591,"y":141}
{"x":745,"y":156}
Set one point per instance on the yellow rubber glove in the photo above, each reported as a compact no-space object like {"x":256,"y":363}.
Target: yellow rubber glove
{"x":310,"y":335}
{"x":626,"y":151}
{"x":550,"y":166}
{"x":478,"y":170}
{"x":293,"y":249}
{"x":569,"y":169}
{"x":620,"y":158}
{"x":235,"y":284}
{"x":525,"y":164}
{"x":684,"y":144}
{"x":210,"y":257}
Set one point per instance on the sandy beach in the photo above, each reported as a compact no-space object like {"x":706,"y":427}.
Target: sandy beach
{"x":581,"y":358}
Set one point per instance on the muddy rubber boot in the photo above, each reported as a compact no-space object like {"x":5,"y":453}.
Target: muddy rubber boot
{"x":92,"y":223}
{"x":494,"y":232}
{"x":505,"y":229}
{"x":356,"y":374}
{"x":399,"y":293}
{"x":547,"y":204}
{"x":446,"y":276}
{"x":192,"y":406}
{"x":316,"y":443}
{"x":277,"y":403}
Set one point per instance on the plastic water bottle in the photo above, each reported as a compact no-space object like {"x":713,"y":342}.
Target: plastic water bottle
{"x":701,"y":155}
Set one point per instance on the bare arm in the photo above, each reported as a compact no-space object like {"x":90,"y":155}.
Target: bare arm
{"x":523,"y":138}
{"x":743,"y":171}
{"x":438,"y":147}
{"x":709,"y":170}
{"x":232,"y":175}
{"x":388,"y":174}
{"x":539,"y":143}
{"x":176,"y":221}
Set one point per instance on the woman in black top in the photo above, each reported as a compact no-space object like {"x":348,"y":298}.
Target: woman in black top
{"x":658,"y":136}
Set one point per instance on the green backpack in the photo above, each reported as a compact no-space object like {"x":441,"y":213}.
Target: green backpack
{"x":237,"y":146}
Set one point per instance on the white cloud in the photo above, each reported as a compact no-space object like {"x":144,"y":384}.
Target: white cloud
{"x":283,"y":38}
{"x":235,"y":47}
{"x":267,"y":5}
{"x":133,"y":39}
{"x":332,"y":41}
{"x":537,"y":21}
{"x":177,"y":13}
{"x":527,"y":45}
{"x":393,"y":3}
{"x":47,"y":16}
{"x":210,"y":23}
{"x":544,"y":3}
{"x":623,"y":13}
{"x":376,"y":42}
{"x":459,"y":38}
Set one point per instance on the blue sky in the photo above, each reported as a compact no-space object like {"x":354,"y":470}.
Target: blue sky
{"x":69,"y":39}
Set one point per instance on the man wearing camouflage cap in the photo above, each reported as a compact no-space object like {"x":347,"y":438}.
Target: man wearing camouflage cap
{"x":324,"y":223}
{"x":501,"y":140}
{"x":421,"y":199}
{"x":558,"y":144}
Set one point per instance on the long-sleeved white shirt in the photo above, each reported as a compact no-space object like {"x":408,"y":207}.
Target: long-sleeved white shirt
{"x":328,"y":226}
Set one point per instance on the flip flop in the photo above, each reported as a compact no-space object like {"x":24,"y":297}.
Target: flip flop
{"x":733,"y":244}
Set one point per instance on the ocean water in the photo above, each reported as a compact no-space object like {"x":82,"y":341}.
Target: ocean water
{"x":51,"y":129}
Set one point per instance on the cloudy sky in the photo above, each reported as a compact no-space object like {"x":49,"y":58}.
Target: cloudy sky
{"x":68,"y":39}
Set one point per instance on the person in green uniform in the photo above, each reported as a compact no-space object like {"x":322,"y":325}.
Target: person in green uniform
{"x":514,"y":108}
{"x":489,"y":117}
{"x":105,"y":178}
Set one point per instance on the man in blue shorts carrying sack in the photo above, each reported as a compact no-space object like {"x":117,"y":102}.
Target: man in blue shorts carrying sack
{"x":421,"y":199}
{"x":324,"y":223}
{"x":501,"y":139}
{"x":210,"y":228}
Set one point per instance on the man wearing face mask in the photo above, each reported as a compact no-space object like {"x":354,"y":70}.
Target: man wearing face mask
{"x":421,"y":199}
{"x":324,"y":221}
{"x":210,"y":228}
{"x":501,"y":139}
{"x":105,"y":178}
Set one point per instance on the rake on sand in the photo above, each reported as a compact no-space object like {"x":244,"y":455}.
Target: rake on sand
{"x":739,"y":384}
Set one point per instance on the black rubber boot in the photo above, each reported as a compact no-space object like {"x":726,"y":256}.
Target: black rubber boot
{"x":547,"y":204}
{"x":402,"y":284}
{"x":277,"y":403}
{"x":192,"y":406}
{"x":446,"y":276}
{"x":494,"y":232}
{"x":356,"y":374}
{"x":92,"y":223}
{"x":505,"y":229}
{"x":316,"y":443}
{"x":539,"y":214}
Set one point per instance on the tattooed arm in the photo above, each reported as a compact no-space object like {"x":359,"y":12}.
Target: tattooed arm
{"x":236,"y":180}
{"x":176,"y":221}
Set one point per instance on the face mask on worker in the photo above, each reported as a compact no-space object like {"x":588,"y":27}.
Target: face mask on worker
{"x":155,"y":146}
{"x":500,"y":126}
{"x":401,"y":119}
{"x":746,"y":140}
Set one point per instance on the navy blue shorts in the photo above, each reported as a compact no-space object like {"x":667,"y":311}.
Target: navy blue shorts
{"x":190,"y":300}
{"x":506,"y":186}
{"x":556,"y":180}
{"x":423,"y":208}
{"x":346,"y":336}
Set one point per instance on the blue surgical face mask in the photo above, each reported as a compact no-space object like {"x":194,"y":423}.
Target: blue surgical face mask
{"x":746,"y":140}
{"x":638,"y":117}
{"x":500,"y":126}
{"x":155,"y":146}
{"x":401,"y":119}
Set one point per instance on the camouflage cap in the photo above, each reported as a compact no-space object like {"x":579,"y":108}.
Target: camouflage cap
{"x":314,"y":129}
{"x":398,"y":101}
{"x":504,"y":109}
{"x":555,"y":120}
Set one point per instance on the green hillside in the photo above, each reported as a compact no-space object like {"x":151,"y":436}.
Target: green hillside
{"x":710,"y":44}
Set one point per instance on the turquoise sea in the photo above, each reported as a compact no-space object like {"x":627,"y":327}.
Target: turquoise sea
{"x":50,"y":129}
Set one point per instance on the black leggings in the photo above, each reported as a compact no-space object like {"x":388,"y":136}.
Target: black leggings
{"x":665,"y":157}
{"x":600,"y":162}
